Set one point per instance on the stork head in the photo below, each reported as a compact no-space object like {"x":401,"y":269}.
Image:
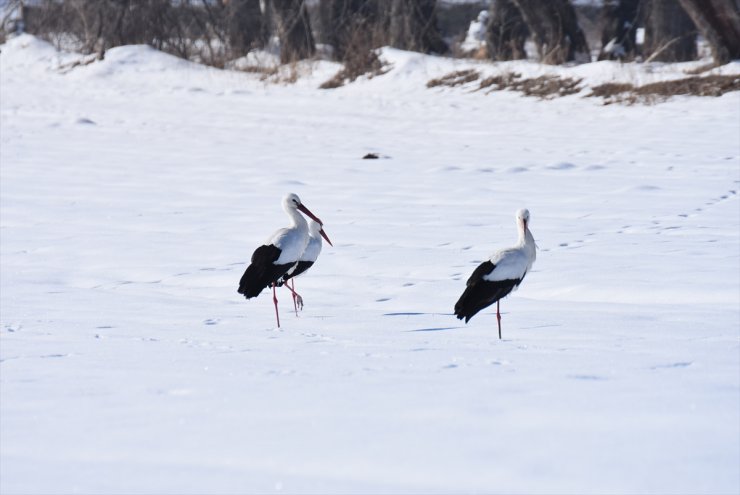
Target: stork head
{"x":522,"y":217}
{"x":292,"y":201}
{"x":316,"y":229}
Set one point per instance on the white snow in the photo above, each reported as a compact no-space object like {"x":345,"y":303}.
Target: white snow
{"x":134,"y":190}
{"x":475,"y":38}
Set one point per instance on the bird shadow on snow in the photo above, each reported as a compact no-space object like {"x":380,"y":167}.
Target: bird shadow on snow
{"x":430,"y":329}
{"x":404,"y":314}
{"x":434,"y":329}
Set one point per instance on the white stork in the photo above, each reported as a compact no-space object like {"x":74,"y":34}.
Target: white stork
{"x":501,"y":274}
{"x":280,"y":253}
{"x":305,"y":260}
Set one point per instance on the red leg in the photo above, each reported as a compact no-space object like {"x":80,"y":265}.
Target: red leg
{"x":498,"y":317}
{"x":297,"y":299}
{"x":292,"y":293}
{"x":274,"y":300}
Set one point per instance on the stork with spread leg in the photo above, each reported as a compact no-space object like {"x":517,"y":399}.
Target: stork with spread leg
{"x":280,"y":252}
{"x":499,"y":275}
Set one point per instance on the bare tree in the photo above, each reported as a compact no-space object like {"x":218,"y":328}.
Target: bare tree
{"x":555,"y":30}
{"x":618,"y":38}
{"x":506,"y":32}
{"x":126,"y":22}
{"x":413,"y":26}
{"x":294,"y":30}
{"x":244,"y":25}
{"x":670,"y":35}
{"x":209,"y":31}
{"x":351,"y":26}
{"x":719,"y":22}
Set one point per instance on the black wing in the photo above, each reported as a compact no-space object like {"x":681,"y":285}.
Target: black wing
{"x":263,"y":271}
{"x":295,"y":270}
{"x":483,"y":269}
{"x":481,"y":293}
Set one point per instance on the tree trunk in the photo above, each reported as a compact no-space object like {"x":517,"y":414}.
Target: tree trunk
{"x":555,"y":30}
{"x":506,"y":32}
{"x":245,"y":26}
{"x":670,"y":36}
{"x":718,"y":21}
{"x":620,"y":27}
{"x":350,"y":26}
{"x":413,"y":26}
{"x":294,"y":30}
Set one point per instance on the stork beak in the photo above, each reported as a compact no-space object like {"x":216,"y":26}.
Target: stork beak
{"x":323,"y":234}
{"x":313,"y":217}
{"x":310,"y":215}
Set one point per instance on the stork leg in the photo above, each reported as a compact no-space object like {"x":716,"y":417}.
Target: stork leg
{"x":275,"y":301}
{"x":498,"y":317}
{"x":297,"y":299}
{"x":292,"y":293}
{"x":297,"y":296}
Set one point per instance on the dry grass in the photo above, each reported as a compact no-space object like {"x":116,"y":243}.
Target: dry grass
{"x":551,"y":86}
{"x":280,"y":74}
{"x":499,"y":83}
{"x":661,"y":91}
{"x":367,"y":64}
{"x":264,"y":71}
{"x":455,"y":78}
{"x":547,"y":87}
{"x":544,"y":87}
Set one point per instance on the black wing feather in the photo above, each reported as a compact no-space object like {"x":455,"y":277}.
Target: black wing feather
{"x":480,"y":293}
{"x":296,"y":270}
{"x":483,"y":269}
{"x":263,"y":271}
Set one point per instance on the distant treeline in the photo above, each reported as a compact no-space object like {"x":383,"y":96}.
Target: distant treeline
{"x":556,"y":31}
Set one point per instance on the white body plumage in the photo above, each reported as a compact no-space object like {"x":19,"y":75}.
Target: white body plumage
{"x":513,"y":263}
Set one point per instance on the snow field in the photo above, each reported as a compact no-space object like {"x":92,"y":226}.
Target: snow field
{"x":133,"y":191}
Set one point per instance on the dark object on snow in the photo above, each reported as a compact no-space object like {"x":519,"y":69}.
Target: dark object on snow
{"x":371,"y":156}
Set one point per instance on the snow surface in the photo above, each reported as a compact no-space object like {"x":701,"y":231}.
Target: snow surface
{"x":134,"y":190}
{"x":475,"y":38}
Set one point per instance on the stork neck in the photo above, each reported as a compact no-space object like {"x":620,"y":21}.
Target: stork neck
{"x":296,"y":219}
{"x":527,"y":244}
{"x":525,"y":236}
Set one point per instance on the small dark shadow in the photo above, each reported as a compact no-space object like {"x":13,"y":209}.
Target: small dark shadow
{"x":403,"y":314}
{"x":435,"y":329}
{"x":587,"y":377}
{"x":683,"y":364}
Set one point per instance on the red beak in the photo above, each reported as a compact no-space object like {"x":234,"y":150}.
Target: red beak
{"x":323,"y":234}
{"x":313,"y":217}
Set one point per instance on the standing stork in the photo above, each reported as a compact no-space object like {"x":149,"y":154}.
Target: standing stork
{"x":282,"y":250}
{"x":501,"y":274}
{"x":305,"y":260}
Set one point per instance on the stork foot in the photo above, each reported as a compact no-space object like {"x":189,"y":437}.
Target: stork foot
{"x":297,"y":299}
